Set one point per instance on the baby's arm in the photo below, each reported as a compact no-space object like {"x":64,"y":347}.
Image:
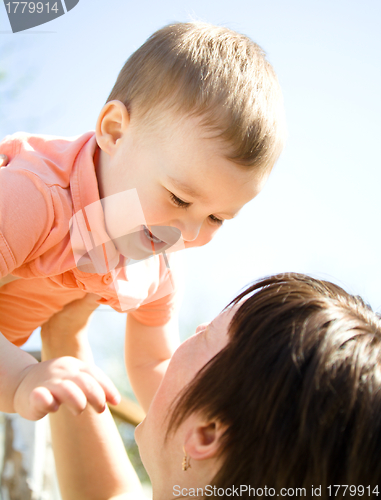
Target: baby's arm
{"x":34,"y":389}
{"x":148,"y":350}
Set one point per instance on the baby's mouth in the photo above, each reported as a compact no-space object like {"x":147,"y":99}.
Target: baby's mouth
{"x":151,"y":237}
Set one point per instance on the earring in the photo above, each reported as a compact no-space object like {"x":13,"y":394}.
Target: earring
{"x":186,"y":460}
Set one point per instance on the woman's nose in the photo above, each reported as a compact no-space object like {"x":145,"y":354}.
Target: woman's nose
{"x":202,"y":327}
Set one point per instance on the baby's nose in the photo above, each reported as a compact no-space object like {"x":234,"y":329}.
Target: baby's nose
{"x":190,"y":231}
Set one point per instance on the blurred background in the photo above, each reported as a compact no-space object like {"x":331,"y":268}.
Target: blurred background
{"x":320,"y":210}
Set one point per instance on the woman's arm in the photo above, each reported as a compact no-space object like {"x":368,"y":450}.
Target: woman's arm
{"x":90,"y":457}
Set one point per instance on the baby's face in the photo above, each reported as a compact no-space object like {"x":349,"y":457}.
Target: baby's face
{"x":182,"y":179}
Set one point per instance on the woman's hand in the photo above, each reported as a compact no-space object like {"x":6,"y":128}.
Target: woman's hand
{"x":65,"y":334}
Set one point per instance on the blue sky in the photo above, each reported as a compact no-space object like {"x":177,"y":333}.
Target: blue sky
{"x":320,"y":211}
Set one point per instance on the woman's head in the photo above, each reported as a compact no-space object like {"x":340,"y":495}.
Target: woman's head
{"x":293,"y":391}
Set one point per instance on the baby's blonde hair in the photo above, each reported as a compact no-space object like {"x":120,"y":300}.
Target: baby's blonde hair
{"x":197,"y":69}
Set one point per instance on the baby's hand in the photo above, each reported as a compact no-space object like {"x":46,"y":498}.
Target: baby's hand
{"x":47,"y":385}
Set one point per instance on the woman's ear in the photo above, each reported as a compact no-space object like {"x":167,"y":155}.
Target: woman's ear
{"x":203,"y":440}
{"x":112,"y":122}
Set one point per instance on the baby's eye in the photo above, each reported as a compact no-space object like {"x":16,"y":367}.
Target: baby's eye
{"x":216,"y":220}
{"x":177,"y":201}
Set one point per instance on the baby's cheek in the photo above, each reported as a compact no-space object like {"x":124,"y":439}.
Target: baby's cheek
{"x":156,"y":213}
{"x":206,"y":234}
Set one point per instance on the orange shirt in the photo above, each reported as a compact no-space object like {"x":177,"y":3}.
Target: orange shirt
{"x":48,"y":180}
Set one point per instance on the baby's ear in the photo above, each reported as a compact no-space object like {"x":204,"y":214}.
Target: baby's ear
{"x":113,"y":120}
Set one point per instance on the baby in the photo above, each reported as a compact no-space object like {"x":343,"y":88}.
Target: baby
{"x":188,"y":136}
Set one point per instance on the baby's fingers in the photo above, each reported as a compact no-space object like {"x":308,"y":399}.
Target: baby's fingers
{"x":92,"y":390}
{"x":110,"y":391}
{"x":41,"y":403}
{"x":70,"y":394}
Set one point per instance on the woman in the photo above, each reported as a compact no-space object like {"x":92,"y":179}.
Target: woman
{"x":282,"y":391}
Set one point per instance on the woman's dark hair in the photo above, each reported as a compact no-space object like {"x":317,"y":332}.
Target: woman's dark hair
{"x":299,"y":387}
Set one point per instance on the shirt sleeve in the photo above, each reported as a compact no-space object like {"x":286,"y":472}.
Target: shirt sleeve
{"x":26,"y":214}
{"x":163,"y":305}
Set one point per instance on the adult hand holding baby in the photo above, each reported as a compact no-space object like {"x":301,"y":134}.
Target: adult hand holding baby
{"x":67,"y":330}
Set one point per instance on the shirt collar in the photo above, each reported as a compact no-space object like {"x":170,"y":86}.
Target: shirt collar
{"x":94,"y":252}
